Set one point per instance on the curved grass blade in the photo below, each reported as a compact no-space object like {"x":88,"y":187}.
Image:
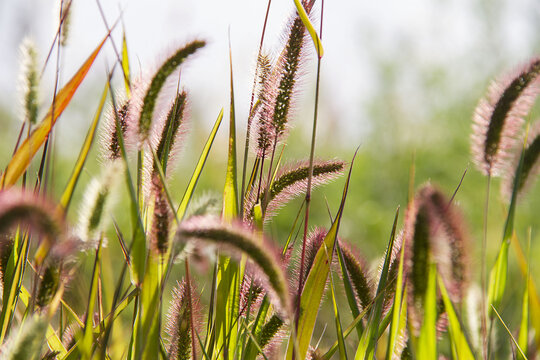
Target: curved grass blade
{"x":25,"y":153}
{"x":309,"y":26}
{"x":198,"y":169}
{"x":399,"y":309}
{"x":460,"y":346}
{"x":315,"y":285}
{"x":366,"y":347}
{"x":125,"y":65}
{"x":68,"y":191}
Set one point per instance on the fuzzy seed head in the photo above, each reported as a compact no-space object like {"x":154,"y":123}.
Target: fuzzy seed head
{"x":238,"y":238}
{"x":25,"y":208}
{"x":356,"y":268}
{"x":161,"y":222}
{"x":29,"y":87}
{"x":434,"y":233}
{"x":499,"y":116}
{"x":98,"y":202}
{"x":179,"y":322}
{"x":111,"y":149}
{"x":166,"y":140}
{"x":290,"y":182}
{"x":48,"y":286}
{"x":530,"y":167}
{"x":145,"y":97}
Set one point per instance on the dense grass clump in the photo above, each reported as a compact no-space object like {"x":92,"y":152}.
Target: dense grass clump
{"x":97,"y":283}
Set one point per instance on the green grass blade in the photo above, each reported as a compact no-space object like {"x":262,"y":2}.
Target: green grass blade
{"x":366,"y":347}
{"x":339,"y":330}
{"x":509,"y":333}
{"x":399,"y":309}
{"x":497,"y":278}
{"x":315,"y":284}
{"x":70,"y":187}
{"x":309,"y":26}
{"x":87,"y":340}
{"x":533,"y":293}
{"x":125,"y":65}
{"x":230,"y":192}
{"x":198,"y":169}
{"x":230,"y":274}
{"x":427,"y":341}
{"x":460,"y":345}
{"x":10,"y":301}
{"x":523,"y":338}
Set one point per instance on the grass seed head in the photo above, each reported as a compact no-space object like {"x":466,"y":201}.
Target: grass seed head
{"x":179,"y":322}
{"x":357,"y":269}
{"x":161,"y":221}
{"x":238,"y":238}
{"x":434,"y":233}
{"x":110,"y":142}
{"x":284,"y":78}
{"x":29,"y":87}
{"x":145,"y":95}
{"x":529,"y":169}
{"x":271,"y":335}
{"x":499,"y":116}
{"x":18,"y":207}
{"x":97,"y":203}
{"x":48,"y":286}
{"x":291,"y":181}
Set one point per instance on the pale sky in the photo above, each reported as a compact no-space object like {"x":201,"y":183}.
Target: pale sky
{"x":358,"y":36}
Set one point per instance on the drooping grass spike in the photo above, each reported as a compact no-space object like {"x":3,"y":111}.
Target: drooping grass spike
{"x":499,"y":116}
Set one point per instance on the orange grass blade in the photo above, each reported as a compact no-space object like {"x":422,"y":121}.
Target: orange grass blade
{"x":24,"y":155}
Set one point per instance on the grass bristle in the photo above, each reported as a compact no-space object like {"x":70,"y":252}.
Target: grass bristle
{"x":48,"y":285}
{"x":238,"y":238}
{"x":29,"y":87}
{"x":358,"y":274}
{"x":166,"y":140}
{"x":291,"y":181}
{"x":161,"y":221}
{"x":182,"y":312}
{"x":271,"y":333}
{"x":435,"y":234}
{"x":499,"y":116}
{"x":110,"y":139}
{"x":282,"y":86}
{"x":145,"y":97}
{"x":24,"y":208}
{"x":97,"y":203}
{"x":64,"y":15}
{"x":529,"y":169}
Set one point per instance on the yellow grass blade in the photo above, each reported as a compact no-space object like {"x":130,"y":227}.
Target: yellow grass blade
{"x":309,"y":26}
